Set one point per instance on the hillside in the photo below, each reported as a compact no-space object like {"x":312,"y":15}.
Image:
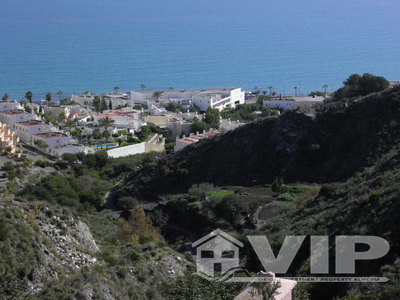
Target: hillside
{"x":325,"y":145}
{"x":351,"y":148}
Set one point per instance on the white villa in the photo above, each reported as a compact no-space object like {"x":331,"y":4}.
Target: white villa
{"x":51,"y":139}
{"x":25,"y":130}
{"x":178,"y":127}
{"x":6,"y":106}
{"x":11,"y":117}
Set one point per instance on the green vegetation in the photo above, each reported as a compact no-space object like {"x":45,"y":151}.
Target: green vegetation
{"x":245,"y":112}
{"x":357,"y":85}
{"x":192,"y":286}
{"x":211,"y":118}
{"x":5,"y":97}
{"x":145,"y":133}
{"x":29,"y":96}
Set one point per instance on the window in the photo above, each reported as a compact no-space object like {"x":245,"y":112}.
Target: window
{"x":207,"y":254}
{"x":228,"y":254}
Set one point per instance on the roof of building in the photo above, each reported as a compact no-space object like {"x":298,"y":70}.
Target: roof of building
{"x":195,"y":138}
{"x":49,"y":135}
{"x":14,"y":112}
{"x":217,"y":232}
{"x":31,"y":123}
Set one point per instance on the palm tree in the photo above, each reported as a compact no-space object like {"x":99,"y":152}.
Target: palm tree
{"x":116,"y":88}
{"x":49,"y":97}
{"x":59,"y":93}
{"x":295,"y":90}
{"x":142,"y":87}
{"x":106,"y":135}
{"x":325,"y":86}
{"x":157,"y":94}
{"x":270,"y":89}
{"x":96,"y":134}
{"x":29,"y":96}
{"x":5,"y":97}
{"x":106,"y":122}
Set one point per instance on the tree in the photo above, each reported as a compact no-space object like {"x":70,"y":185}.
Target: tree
{"x":157,"y":94}
{"x":5,"y":97}
{"x":270,"y":89}
{"x":142,"y":87}
{"x":145,"y":132}
{"x":77,"y":133}
{"x":295,"y":90}
{"x":256,"y":90}
{"x":97,"y":103}
{"x":199,"y":126}
{"x":103,"y":104}
{"x":172,"y":106}
{"x":212,"y":117}
{"x":116,"y":88}
{"x":59,"y":93}
{"x":110,"y":105}
{"x":264,"y":290}
{"x":49,"y":97}
{"x":357,"y":85}
{"x":106,"y":122}
{"x":96,"y":134}
{"x":29,"y":96}
{"x":106,"y":134}
{"x":325,"y":86}
{"x":316,"y":93}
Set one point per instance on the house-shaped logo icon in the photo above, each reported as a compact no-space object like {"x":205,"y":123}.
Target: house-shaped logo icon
{"x":217,"y":253}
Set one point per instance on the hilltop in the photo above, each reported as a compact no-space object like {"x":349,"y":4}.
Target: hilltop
{"x":327,"y":144}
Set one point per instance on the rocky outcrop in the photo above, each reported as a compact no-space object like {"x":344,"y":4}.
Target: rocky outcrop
{"x":68,"y":246}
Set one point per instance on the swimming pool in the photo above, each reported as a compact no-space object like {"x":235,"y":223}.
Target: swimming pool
{"x":105,"y":146}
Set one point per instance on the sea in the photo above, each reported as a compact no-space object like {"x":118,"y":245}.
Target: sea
{"x":96,"y":45}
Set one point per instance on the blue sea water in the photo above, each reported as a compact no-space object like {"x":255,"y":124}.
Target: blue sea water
{"x":79,"y":45}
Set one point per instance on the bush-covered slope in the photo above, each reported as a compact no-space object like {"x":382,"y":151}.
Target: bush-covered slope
{"x":366,"y":204}
{"x":324,"y":146}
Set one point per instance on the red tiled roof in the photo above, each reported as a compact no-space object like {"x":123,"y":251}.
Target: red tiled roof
{"x":31,"y":123}
{"x":15,"y":112}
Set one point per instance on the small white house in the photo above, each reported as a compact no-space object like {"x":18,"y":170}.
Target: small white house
{"x":178,"y":127}
{"x":5,"y":106}
{"x":25,"y":130}
{"x":219,"y":100}
{"x":11,"y":117}
{"x":51,"y":139}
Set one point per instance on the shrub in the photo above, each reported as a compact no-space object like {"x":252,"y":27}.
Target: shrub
{"x":127,"y":203}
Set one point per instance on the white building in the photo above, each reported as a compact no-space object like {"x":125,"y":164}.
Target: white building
{"x":178,"y":127}
{"x":202,"y":98}
{"x":25,"y":130}
{"x":6,"y":106}
{"x":294,"y":102}
{"x":83,"y":100}
{"x":11,"y":117}
{"x":52,"y":139}
{"x":219,"y":100}
{"x":123,"y":119}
